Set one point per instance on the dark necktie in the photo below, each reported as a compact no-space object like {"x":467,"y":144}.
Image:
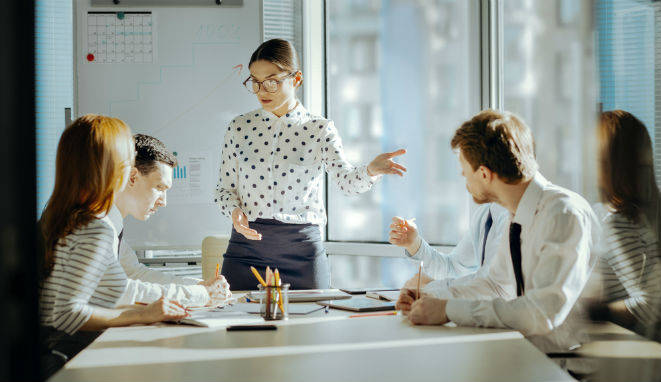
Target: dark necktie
{"x":119,"y":243}
{"x":487,"y":228}
{"x":515,"y":252}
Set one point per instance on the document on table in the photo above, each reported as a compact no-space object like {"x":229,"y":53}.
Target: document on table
{"x":293,"y":309}
{"x":220,"y":318}
{"x":389,"y":295}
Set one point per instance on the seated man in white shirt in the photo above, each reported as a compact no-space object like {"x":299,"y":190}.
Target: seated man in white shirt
{"x":548,"y":249}
{"x":472,"y":254}
{"x":149,"y":181}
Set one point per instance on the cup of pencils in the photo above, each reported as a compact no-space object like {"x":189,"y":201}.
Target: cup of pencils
{"x":274,"y":301}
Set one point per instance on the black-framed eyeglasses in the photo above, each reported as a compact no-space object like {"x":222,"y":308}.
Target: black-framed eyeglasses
{"x":271,"y":85}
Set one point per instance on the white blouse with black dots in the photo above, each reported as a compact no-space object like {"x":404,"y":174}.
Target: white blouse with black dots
{"x":272,"y":168}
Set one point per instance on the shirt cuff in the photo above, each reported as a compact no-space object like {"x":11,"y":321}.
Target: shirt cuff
{"x":199,"y":295}
{"x":458,"y":311}
{"x":418,"y":253}
{"x":366,"y":175}
{"x":438,"y":289}
{"x":190,"y":281}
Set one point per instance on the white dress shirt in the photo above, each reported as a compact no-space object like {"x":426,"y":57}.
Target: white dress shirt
{"x":465,"y":259}
{"x":273,"y":168}
{"x":148,"y":285}
{"x":559,"y":230}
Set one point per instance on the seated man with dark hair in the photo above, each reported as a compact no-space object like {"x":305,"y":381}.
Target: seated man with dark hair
{"x":145,"y":192}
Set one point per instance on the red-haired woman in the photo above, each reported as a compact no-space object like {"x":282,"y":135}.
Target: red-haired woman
{"x":82,"y":278}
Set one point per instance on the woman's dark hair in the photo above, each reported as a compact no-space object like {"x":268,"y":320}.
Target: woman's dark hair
{"x":626,"y":167}
{"x":279,"y":52}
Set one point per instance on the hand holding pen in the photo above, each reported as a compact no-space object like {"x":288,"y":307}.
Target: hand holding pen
{"x":162,"y":309}
{"x":218,"y":289}
{"x":410,"y":294}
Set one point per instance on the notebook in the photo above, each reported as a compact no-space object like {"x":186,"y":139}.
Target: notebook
{"x":364,"y":290}
{"x":306,"y":295}
{"x":360,"y":304}
{"x":387,"y":295}
{"x":215,"y":318}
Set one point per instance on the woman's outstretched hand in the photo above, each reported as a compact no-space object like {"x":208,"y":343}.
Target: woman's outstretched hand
{"x":383,"y":164}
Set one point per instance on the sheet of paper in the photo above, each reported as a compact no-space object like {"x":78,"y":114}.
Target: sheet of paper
{"x":191,"y":177}
{"x":294,"y":309}
{"x":388,"y":295}
{"x":221,"y":318}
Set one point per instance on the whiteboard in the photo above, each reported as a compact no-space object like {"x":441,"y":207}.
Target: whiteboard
{"x":178,"y":78}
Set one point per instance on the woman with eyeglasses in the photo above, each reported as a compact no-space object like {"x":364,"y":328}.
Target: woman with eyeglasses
{"x":271,"y":176}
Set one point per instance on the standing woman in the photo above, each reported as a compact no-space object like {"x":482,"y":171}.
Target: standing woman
{"x":631,"y":265}
{"x":82,"y":279}
{"x":273,"y":163}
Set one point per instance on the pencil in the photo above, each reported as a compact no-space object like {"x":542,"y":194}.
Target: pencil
{"x":277,"y":284}
{"x":392,"y":313}
{"x":259,"y":278}
{"x":417,"y":292}
{"x":269,"y":276}
{"x":217,"y":269}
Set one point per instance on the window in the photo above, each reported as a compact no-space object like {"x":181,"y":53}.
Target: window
{"x":627,"y":41}
{"x":549,"y":80}
{"x":284,"y":19}
{"x":54,"y":82}
{"x":402,"y":74}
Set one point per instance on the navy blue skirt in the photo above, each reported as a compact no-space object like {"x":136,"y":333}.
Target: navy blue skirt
{"x":295,"y":249}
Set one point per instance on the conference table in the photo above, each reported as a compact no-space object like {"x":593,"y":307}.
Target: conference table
{"x":319,"y":346}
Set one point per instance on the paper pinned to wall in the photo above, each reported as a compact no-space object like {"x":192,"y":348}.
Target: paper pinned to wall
{"x":191,"y":178}
{"x":120,"y":37}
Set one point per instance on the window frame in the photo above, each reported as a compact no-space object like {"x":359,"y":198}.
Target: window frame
{"x":490,"y":36}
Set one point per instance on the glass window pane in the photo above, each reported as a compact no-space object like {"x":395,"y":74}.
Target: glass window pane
{"x":550,"y":82}
{"x":627,"y":42}
{"x":54,"y":86}
{"x":402,"y":74}
{"x":349,"y":271}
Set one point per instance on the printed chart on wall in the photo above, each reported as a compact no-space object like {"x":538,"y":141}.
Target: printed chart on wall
{"x":192,"y":178}
{"x":174,"y":73}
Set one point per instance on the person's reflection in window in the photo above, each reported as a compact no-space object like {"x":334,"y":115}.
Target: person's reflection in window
{"x":630,"y":264}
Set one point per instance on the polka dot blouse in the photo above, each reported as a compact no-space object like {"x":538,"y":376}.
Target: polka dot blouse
{"x":272,"y":168}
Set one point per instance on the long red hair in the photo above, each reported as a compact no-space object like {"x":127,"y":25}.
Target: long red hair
{"x":92,"y":157}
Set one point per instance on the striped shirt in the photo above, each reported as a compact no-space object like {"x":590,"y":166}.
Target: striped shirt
{"x":86,"y":274}
{"x":631,"y":267}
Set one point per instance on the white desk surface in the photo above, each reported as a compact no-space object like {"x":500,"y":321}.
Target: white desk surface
{"x":316,"y":347}
{"x":620,"y":355}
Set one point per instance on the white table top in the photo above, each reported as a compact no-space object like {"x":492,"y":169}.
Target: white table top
{"x":319,"y":347}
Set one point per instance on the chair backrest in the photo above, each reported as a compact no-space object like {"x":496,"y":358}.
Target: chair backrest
{"x":213,"y":249}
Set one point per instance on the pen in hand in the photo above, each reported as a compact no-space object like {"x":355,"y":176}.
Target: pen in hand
{"x":417,"y":292}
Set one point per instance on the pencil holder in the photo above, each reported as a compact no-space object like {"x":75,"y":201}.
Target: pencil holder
{"x":274,"y":302}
